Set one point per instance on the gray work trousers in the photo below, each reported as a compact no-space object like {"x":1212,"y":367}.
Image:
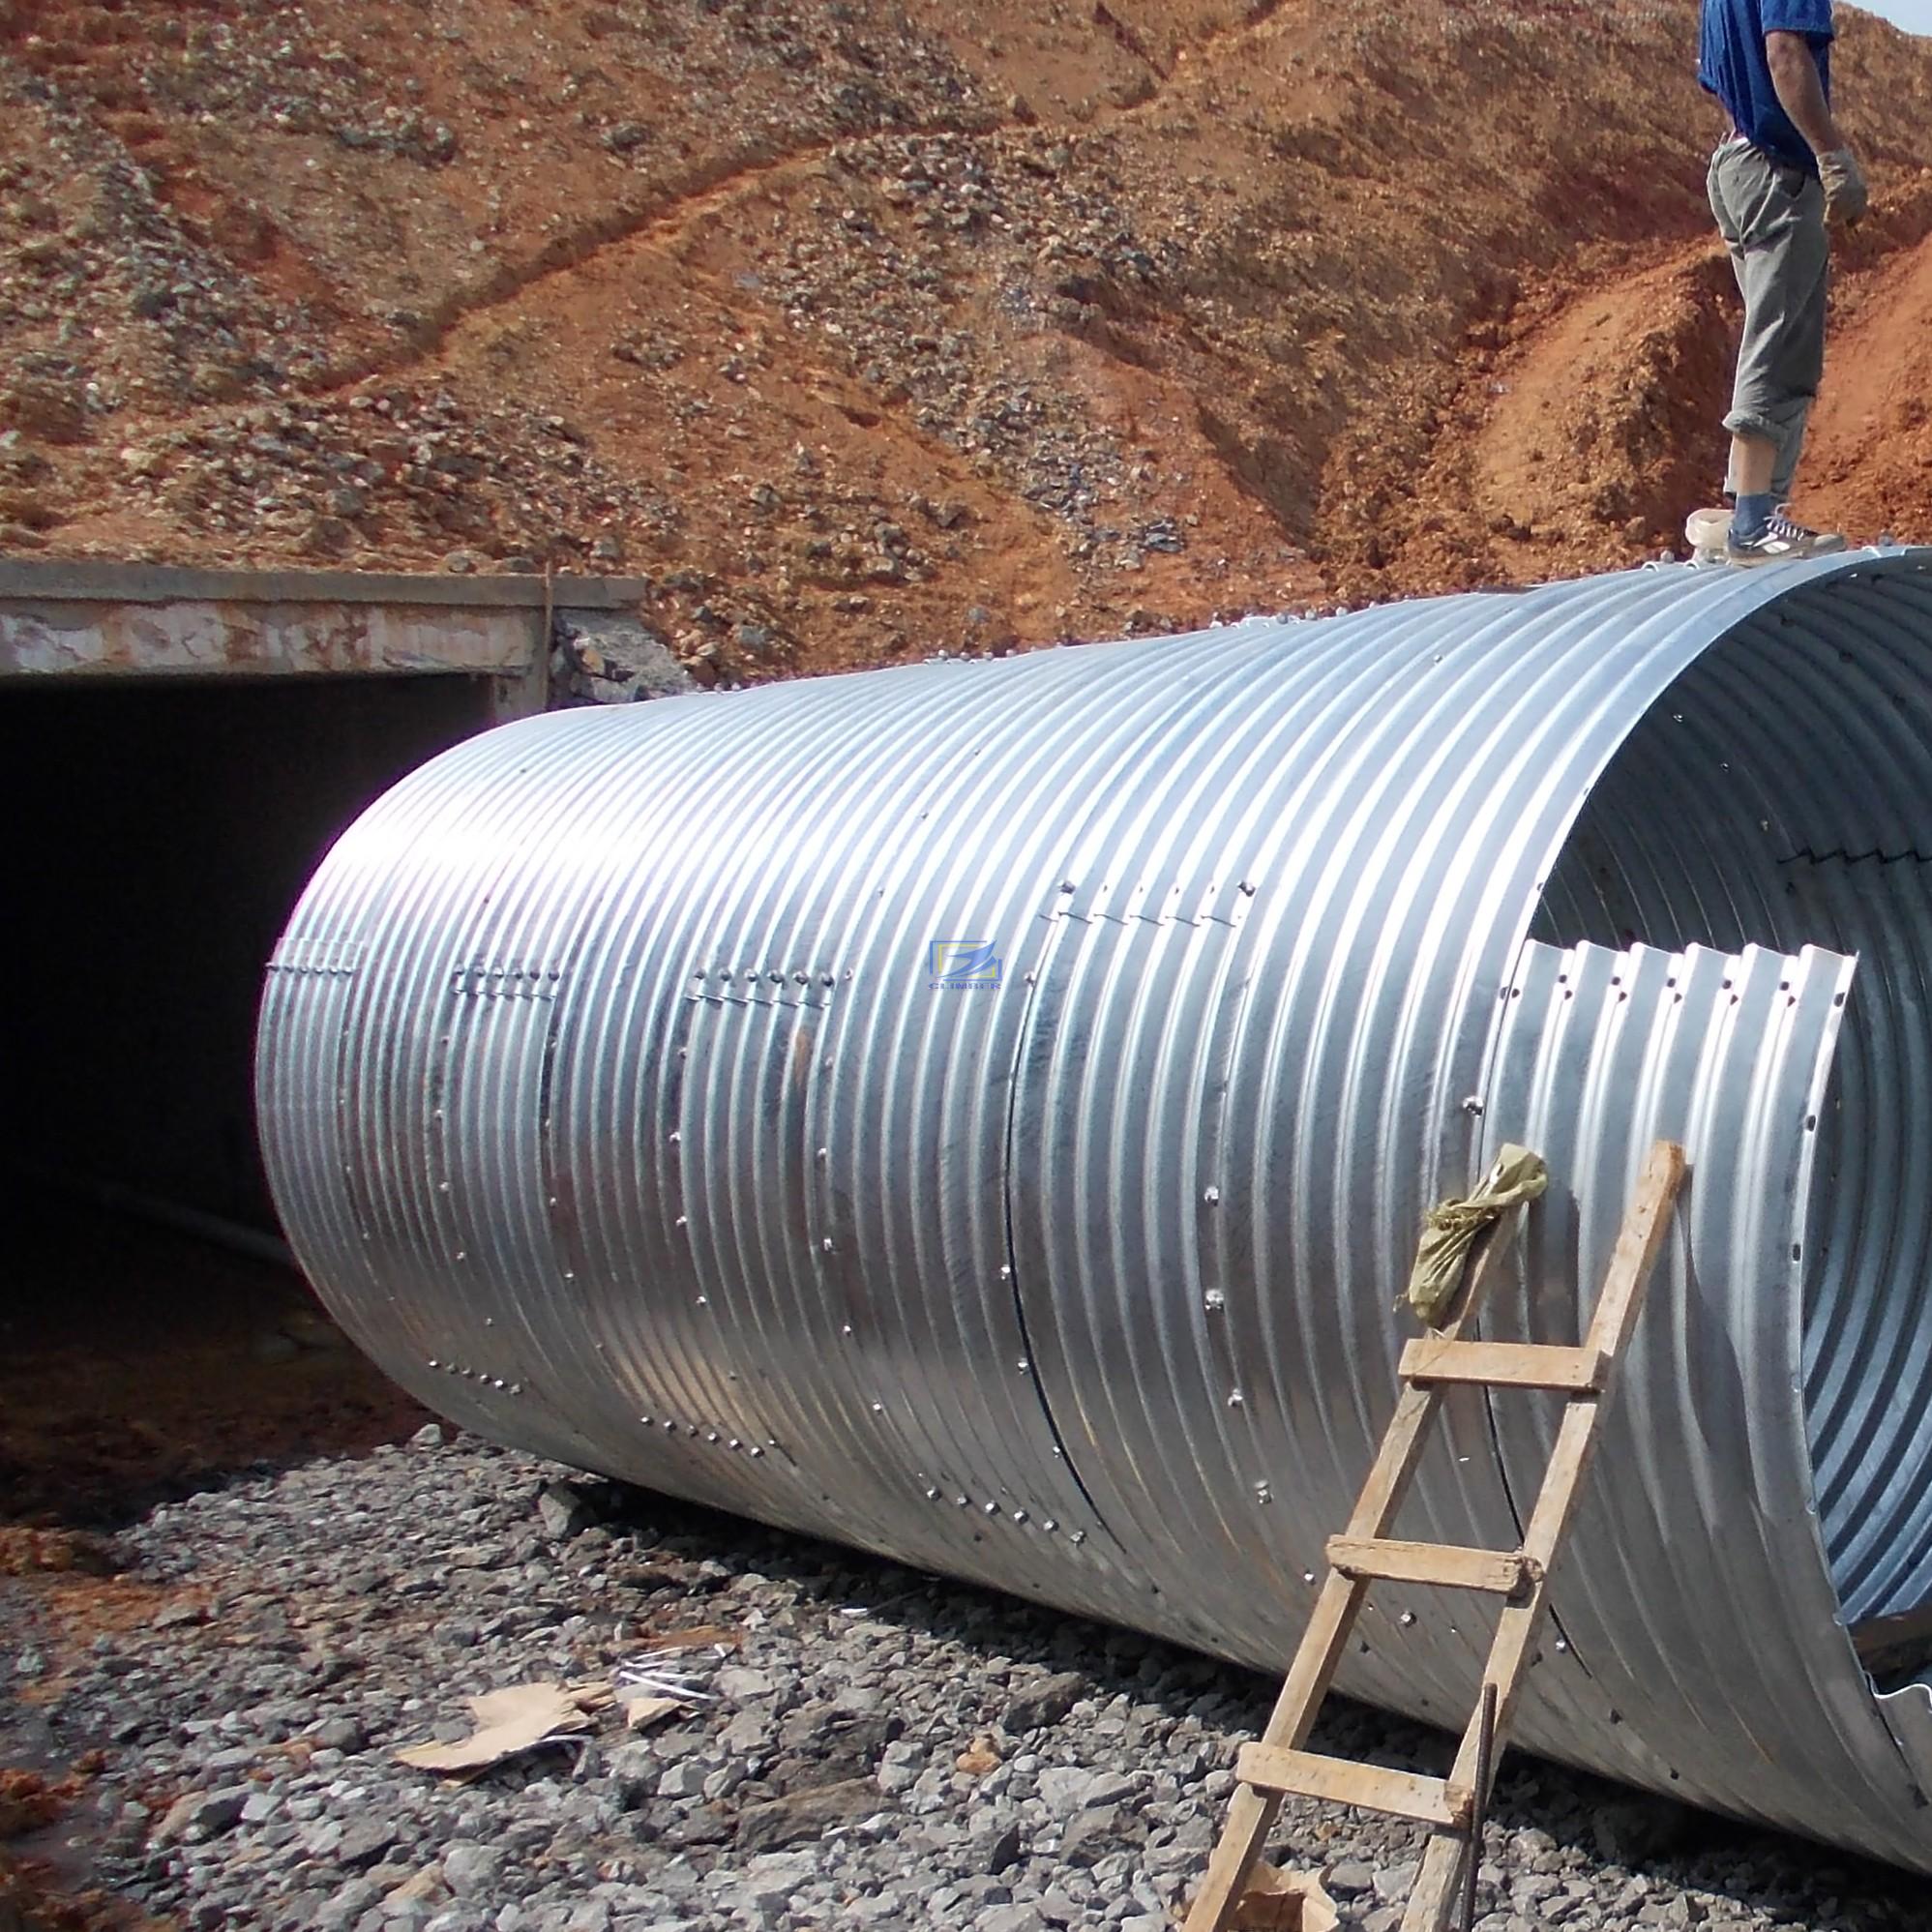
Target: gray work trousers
{"x":1771,"y":217}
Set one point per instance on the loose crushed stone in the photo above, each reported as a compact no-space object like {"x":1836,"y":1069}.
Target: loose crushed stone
{"x":317,"y":1619}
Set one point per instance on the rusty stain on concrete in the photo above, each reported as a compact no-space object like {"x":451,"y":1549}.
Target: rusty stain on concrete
{"x":268,"y":640}
{"x":92,"y":619}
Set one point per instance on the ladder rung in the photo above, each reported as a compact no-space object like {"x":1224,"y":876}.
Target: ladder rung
{"x":1504,"y":1572}
{"x":1343,"y":1781}
{"x":1504,"y":1364}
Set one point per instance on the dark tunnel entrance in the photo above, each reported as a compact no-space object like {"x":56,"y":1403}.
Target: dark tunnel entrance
{"x":158,"y":833}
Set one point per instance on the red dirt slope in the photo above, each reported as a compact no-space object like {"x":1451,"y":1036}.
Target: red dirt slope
{"x":866,"y":328}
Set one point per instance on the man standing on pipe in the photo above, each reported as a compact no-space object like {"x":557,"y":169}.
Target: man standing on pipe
{"x":1780,"y":175}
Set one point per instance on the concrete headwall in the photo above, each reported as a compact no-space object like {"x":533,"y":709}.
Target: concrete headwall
{"x":180,"y":748}
{"x":86,"y":619}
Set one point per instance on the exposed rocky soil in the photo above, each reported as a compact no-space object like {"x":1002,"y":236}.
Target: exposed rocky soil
{"x":867,"y":1748}
{"x":882,"y":328}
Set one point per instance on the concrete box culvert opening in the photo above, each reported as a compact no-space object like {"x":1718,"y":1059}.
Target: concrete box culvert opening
{"x":180,"y":745}
{"x":160,"y":831}
{"x":615,"y":1095}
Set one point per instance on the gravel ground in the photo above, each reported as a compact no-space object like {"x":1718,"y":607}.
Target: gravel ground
{"x":884,"y":1751}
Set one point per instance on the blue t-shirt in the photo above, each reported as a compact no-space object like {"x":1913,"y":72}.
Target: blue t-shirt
{"x":1732,"y":64}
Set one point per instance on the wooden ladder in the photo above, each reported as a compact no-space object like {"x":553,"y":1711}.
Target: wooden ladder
{"x":1277,"y":1766}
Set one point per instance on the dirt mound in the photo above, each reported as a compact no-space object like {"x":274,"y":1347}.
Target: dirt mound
{"x":1870,"y":458}
{"x":867,"y":328}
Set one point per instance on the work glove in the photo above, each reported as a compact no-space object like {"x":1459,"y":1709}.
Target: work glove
{"x":1845,"y":194}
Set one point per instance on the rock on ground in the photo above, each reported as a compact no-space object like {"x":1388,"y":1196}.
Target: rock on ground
{"x":351,"y":1606}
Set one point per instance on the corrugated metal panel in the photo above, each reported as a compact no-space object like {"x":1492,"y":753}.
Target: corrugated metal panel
{"x":1696,"y":1528}
{"x":1782,"y":796}
{"x":642,"y":1133}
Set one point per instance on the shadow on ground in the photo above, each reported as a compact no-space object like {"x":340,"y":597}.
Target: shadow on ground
{"x":1782,"y":1878}
{"x":138,"y":1364}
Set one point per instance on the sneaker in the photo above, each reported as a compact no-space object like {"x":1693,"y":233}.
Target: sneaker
{"x":1782,"y":542}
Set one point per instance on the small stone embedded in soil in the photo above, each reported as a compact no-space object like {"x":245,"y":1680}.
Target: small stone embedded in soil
{"x":1349,"y":1879}
{"x":363,"y":1841}
{"x":804,"y":1815}
{"x":563,"y":1510}
{"x":1393,"y":1882}
{"x":1039,"y":1705}
{"x":471,"y":1870}
{"x":202,"y":1812}
{"x":996,"y":1842}
{"x":1098,"y":1829}
{"x":1011,"y":1918}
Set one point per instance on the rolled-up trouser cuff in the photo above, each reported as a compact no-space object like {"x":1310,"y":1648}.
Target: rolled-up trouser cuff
{"x":1742,"y":424}
{"x":1782,"y":426}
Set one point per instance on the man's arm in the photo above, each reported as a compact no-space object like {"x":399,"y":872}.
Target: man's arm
{"x":1800,"y":91}
{"x":1802,"y":95}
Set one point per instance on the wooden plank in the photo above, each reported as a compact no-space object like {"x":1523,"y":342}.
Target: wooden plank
{"x":1618,"y":1307}
{"x":1504,"y":1364}
{"x":1390,"y":1475}
{"x":1433,"y":1897}
{"x":1637,"y":1248}
{"x":1252,"y":1812}
{"x":1447,"y":1565}
{"x":1367,"y":1787}
{"x":1250,"y":1816}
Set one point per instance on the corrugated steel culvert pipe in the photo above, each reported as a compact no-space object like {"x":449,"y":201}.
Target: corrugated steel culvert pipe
{"x":984,"y":1112}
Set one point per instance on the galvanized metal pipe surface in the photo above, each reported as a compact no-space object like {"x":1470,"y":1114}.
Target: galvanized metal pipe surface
{"x":984,"y":1112}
